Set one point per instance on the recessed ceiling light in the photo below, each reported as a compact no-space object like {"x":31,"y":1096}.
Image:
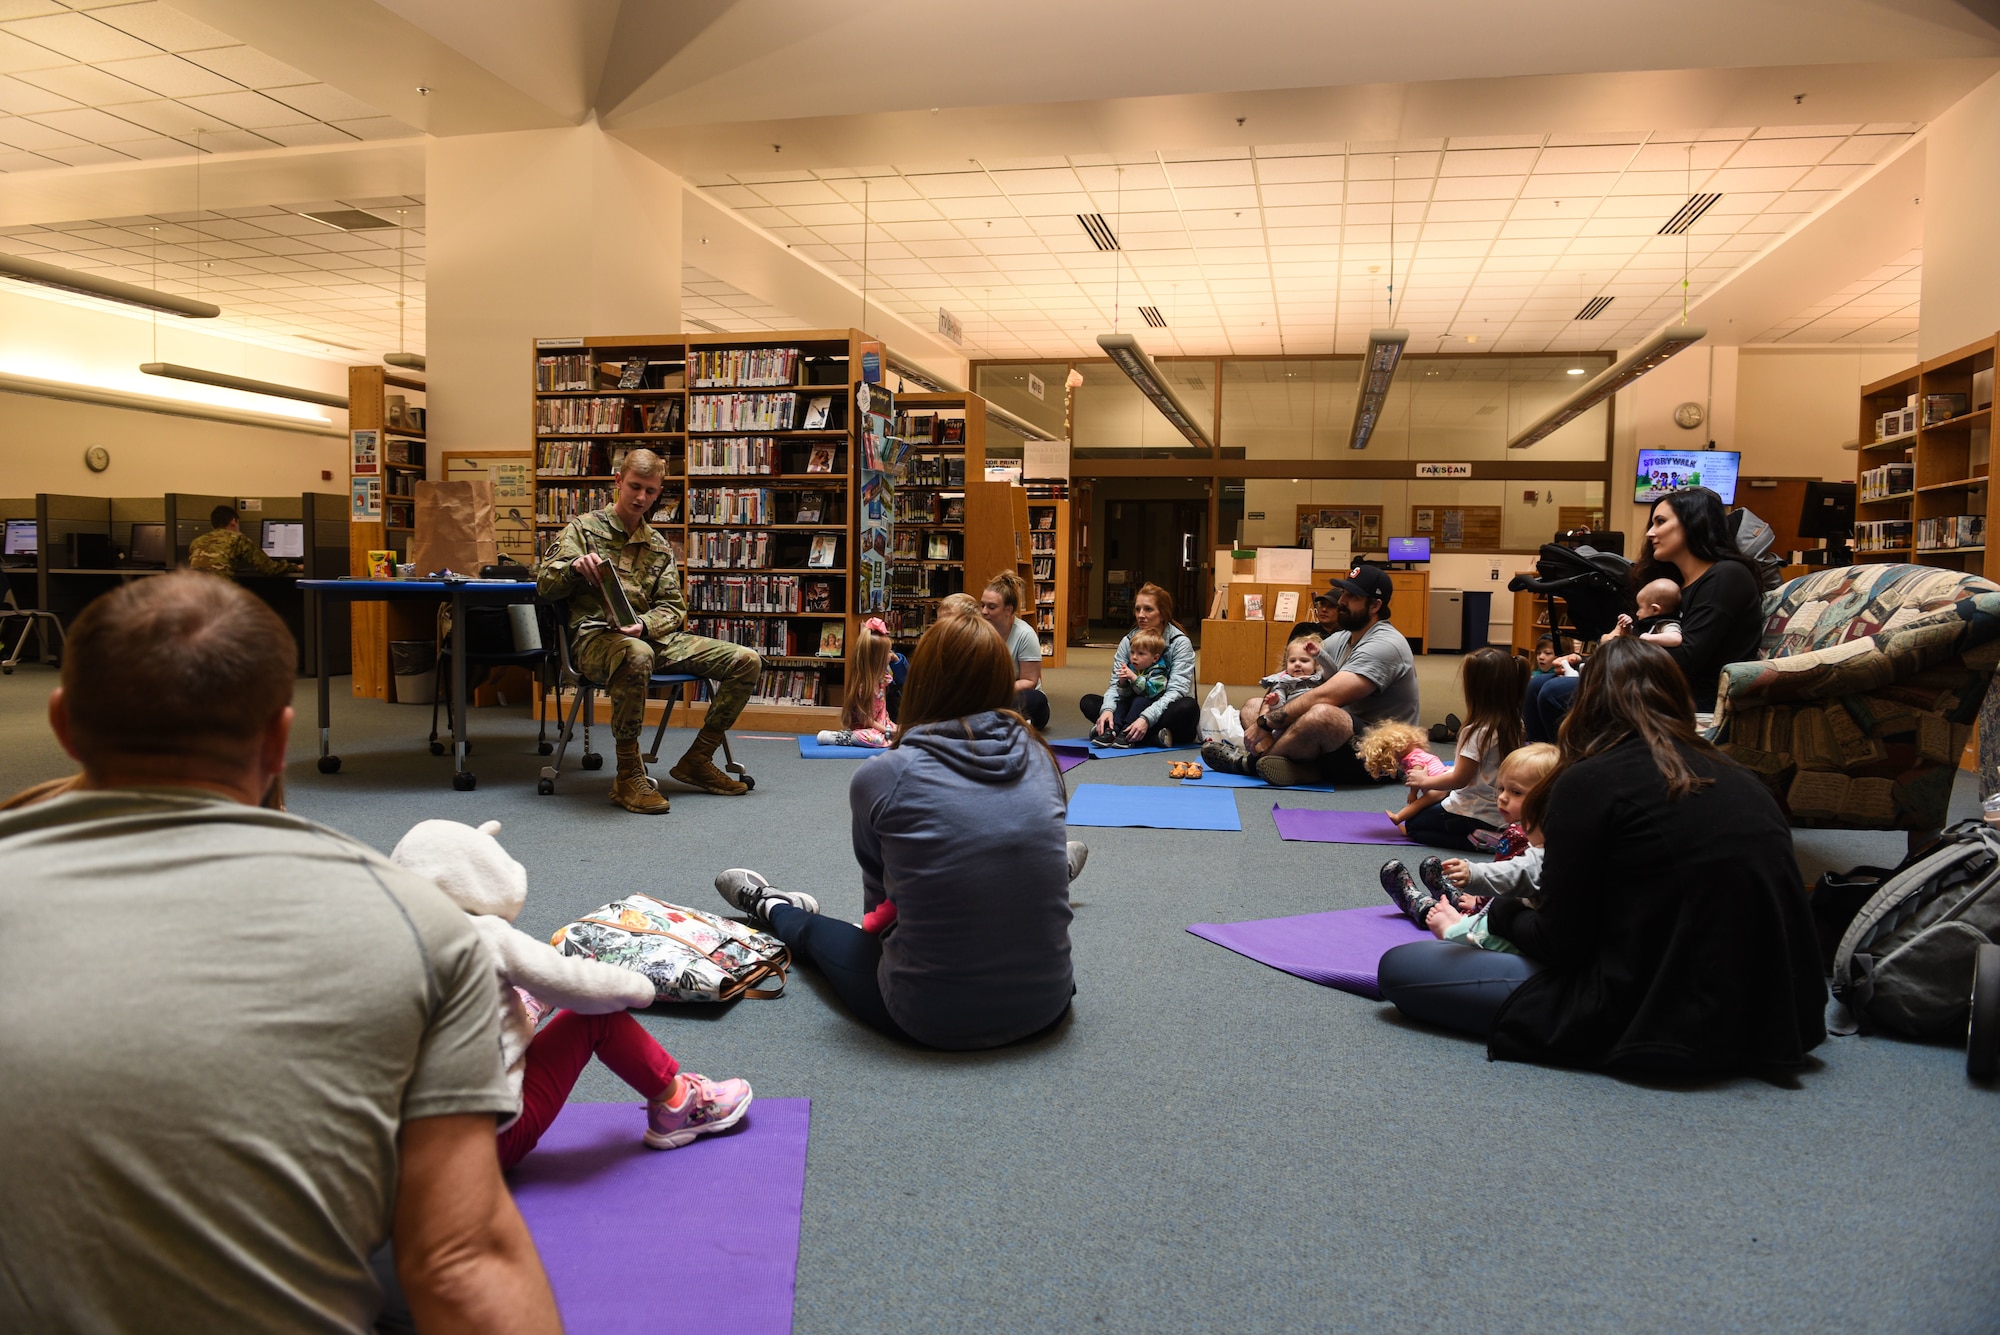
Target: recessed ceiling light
{"x":1576,"y":370}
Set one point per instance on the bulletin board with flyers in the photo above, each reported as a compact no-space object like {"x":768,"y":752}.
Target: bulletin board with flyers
{"x":880,"y":462}
{"x":1364,"y":520}
{"x":512,"y":474}
{"x":1457,"y":528}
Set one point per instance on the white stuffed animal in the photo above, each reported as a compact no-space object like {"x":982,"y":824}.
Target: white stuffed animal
{"x":471,"y":867}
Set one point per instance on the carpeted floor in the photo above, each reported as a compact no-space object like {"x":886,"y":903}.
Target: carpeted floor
{"x":1212,"y":1145}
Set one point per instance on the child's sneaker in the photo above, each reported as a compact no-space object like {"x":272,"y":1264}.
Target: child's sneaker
{"x":1415,"y":904}
{"x":749,"y":893}
{"x":1431,"y":872}
{"x":706,"y":1106}
{"x":1079,"y":853}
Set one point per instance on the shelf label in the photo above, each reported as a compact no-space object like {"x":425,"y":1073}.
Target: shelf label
{"x":949,"y":326}
{"x":559,"y":342}
{"x":1444,"y":470}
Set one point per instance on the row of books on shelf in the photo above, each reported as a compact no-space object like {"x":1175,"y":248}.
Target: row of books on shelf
{"x":788,"y":686}
{"x":759,"y":593}
{"x":751,"y":549}
{"x":752,"y":456}
{"x":930,"y":427}
{"x":1046,"y":489}
{"x":1882,"y":535}
{"x":918,"y":545}
{"x":399,"y":514}
{"x":1045,"y":569}
{"x":934,"y":470}
{"x":748,"y":368}
{"x":775,"y":637}
{"x":1042,"y":519}
{"x":926,"y":581}
{"x":403,"y":450}
{"x":754,"y":411}
{"x":572,"y":373}
{"x":559,"y":505}
{"x":918,"y":508}
{"x":605,"y":417}
{"x":757,"y":505}
{"x":400,"y":484}
{"x":562,"y":372}
{"x":1042,"y":543}
{"x":1888,"y":480}
{"x":576,"y":458}
{"x":1949,"y":531}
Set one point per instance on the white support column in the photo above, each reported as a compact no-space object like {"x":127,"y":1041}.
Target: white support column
{"x":536,"y":234}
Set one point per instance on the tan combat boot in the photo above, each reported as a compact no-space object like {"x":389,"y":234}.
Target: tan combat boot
{"x":697,"y":768}
{"x":634,"y":789}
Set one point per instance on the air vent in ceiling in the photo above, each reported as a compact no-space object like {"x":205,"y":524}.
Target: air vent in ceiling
{"x":1592,"y":308}
{"x":1486,"y":410}
{"x":1693,"y":209}
{"x":1153,"y":316}
{"x":350,"y":220}
{"x":1099,"y":230}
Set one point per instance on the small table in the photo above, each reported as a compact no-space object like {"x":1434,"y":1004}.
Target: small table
{"x":463,"y":593}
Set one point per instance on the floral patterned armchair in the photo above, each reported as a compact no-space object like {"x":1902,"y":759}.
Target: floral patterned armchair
{"x":1867,"y":684}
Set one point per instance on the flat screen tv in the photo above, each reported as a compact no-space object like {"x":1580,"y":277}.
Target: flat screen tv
{"x":1409,"y":549}
{"x":1662,"y":471}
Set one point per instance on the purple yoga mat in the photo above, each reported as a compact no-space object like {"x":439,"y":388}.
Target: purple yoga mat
{"x":698,"y":1239}
{"x":1338,"y":827}
{"x":1340,"y":949}
{"x":1069,"y":760}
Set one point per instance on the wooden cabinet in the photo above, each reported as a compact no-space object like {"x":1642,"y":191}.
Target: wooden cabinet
{"x":1931,"y":509}
{"x":1410,"y":607}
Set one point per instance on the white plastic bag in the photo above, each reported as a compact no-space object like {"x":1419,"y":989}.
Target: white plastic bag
{"x":1219,"y":720}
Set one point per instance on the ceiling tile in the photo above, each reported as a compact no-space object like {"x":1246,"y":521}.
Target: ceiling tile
{"x":19,"y":54}
{"x":1478,"y":187}
{"x":161,"y":25}
{"x":33,"y":136}
{"x":79,"y":37}
{"x":377,"y":127}
{"x":246,"y":109}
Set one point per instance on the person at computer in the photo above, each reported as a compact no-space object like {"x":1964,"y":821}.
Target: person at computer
{"x":619,"y":542}
{"x":226,"y":549}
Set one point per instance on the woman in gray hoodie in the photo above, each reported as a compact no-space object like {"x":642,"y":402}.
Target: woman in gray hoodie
{"x":1173,"y":717}
{"x":958,"y":948}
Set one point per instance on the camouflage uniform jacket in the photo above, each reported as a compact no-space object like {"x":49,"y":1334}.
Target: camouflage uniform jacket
{"x":221,"y":550}
{"x":644,"y":565}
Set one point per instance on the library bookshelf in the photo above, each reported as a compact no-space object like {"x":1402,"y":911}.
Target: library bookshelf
{"x":1924,"y":463}
{"x":1048,"y":554}
{"x":403,"y":455}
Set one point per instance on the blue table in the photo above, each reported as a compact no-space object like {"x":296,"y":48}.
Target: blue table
{"x":462,"y":593}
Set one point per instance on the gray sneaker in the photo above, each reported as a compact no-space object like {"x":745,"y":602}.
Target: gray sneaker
{"x":1079,"y":853}
{"x":1284,"y":772}
{"x":1225,"y":756}
{"x":749,"y":893}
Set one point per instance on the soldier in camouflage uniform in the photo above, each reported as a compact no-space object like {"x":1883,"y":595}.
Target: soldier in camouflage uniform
{"x":225,"y":548}
{"x":618,"y":542}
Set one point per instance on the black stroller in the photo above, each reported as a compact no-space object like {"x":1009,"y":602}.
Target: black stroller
{"x":1592,"y":586}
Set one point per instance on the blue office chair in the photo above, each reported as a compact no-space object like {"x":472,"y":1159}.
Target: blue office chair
{"x":585,"y":706}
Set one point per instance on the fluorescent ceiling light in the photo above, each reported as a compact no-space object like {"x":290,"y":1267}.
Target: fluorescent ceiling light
{"x":409,"y":361}
{"x":1378,"y":368}
{"x":89,"y":285}
{"x":200,"y":377}
{"x":1576,"y":370}
{"x":1609,"y":381}
{"x":1129,"y":357}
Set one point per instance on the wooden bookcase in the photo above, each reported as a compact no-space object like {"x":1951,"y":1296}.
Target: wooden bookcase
{"x":1945,"y":449}
{"x":727,"y":488}
{"x":1048,"y":553}
{"x":376,"y":624}
{"x":928,"y":562}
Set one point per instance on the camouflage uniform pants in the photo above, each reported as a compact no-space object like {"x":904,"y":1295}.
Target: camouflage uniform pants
{"x":623,"y":665}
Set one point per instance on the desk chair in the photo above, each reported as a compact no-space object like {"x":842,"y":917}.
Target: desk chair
{"x":32,"y":619}
{"x":489,"y":643}
{"x":585,"y":705}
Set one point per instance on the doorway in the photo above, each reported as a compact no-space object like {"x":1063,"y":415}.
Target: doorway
{"x":1152,"y":531}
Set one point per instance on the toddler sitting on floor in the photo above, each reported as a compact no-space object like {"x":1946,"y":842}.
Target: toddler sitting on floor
{"x":1455,"y":894}
{"x":1144,"y":676}
{"x":864,"y":711}
{"x":1301,"y":672}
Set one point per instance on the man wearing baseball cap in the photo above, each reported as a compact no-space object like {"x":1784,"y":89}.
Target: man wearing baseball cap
{"x":1325,"y":611}
{"x":1370,"y":677}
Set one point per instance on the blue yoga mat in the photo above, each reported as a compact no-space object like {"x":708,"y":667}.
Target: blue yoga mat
{"x":1115,"y":752}
{"x":810,"y":749}
{"x":1127,"y":806}
{"x":1215,"y":778}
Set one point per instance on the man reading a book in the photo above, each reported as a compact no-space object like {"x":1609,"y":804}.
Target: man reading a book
{"x":626,"y":613}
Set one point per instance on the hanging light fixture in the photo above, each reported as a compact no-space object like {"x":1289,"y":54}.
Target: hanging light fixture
{"x":1378,"y":368}
{"x":248,"y":386}
{"x":90,"y":285}
{"x":1129,"y":357}
{"x":1609,"y":381}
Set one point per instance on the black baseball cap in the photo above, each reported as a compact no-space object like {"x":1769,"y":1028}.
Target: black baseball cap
{"x":1324,"y":597}
{"x":1367,"y":582}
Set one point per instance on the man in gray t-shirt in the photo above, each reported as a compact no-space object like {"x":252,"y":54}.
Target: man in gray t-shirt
{"x":1370,"y":677}
{"x":242,"y":1051}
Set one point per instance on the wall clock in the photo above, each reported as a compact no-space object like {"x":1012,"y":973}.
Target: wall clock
{"x":97,"y":458}
{"x":1688,"y":415}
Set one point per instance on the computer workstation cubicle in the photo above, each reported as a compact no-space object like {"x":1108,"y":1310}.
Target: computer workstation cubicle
{"x":61,"y":552}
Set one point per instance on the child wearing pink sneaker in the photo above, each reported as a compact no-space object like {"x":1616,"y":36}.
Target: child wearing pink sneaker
{"x":477,"y":874}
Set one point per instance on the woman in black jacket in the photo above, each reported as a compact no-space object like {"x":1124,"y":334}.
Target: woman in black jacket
{"x":1670,"y":931}
{"x":1722,"y":603}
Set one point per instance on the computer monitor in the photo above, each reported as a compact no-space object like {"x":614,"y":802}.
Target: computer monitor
{"x":149,"y":545}
{"x":1828,"y":511}
{"x":1409,"y":549}
{"x":285,"y":539}
{"x":23,"y":538}
{"x":1664,"y":471}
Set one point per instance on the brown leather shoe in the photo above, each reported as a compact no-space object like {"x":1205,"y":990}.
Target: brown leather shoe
{"x":634,"y":789}
{"x":697,"y":768}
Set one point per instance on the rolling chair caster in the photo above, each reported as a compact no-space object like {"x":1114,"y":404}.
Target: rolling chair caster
{"x":437,"y":748}
{"x":545,"y":748}
{"x":329,"y":764}
{"x":545,"y":786}
{"x":593,"y":760}
{"x":464,"y":782}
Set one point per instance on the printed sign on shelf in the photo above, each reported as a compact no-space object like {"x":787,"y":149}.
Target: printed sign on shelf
{"x":1444,"y":470}
{"x":367,"y":453}
{"x":871,"y":362}
{"x":559,"y":342}
{"x":365,"y":499}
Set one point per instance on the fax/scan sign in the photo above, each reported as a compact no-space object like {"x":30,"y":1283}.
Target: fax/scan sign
{"x":1444,"y":470}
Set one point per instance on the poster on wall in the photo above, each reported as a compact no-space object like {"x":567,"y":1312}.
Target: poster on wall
{"x":512,"y":474}
{"x":365,"y":499}
{"x":1458,"y":528}
{"x":367,"y":453}
{"x":1363,"y":522}
{"x":881,"y":457}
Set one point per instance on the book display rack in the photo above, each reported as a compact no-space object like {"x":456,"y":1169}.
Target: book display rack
{"x":758,"y":503}
{"x":1048,"y":541}
{"x":1925,"y":460}
{"x":390,"y":404}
